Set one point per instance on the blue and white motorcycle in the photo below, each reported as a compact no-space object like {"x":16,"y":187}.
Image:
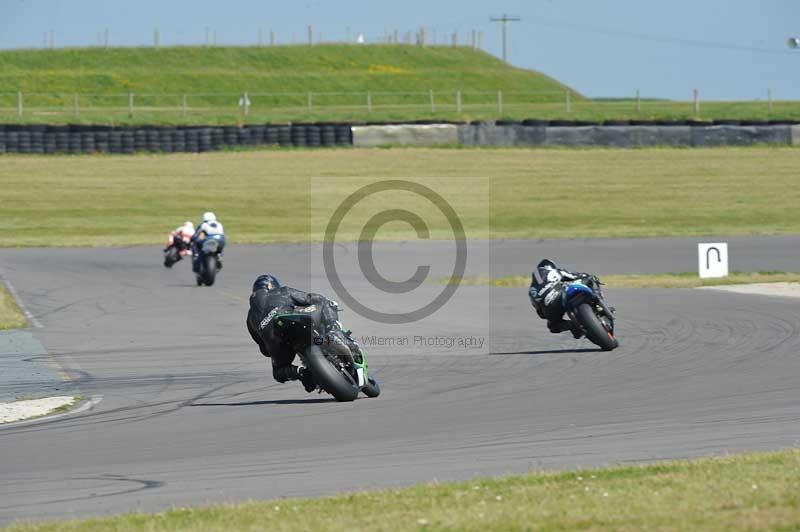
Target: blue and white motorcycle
{"x":585,"y":305}
{"x":208,"y":252}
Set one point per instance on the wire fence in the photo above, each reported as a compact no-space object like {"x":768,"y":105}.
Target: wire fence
{"x":257,"y":106}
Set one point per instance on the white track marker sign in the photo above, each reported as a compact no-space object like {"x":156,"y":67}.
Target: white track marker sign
{"x":712,"y":260}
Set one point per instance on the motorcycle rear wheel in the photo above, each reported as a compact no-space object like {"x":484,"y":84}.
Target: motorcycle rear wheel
{"x":209,"y":269}
{"x":595,"y":331}
{"x":328,"y":377}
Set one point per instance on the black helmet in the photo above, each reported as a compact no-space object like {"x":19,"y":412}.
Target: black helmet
{"x":266,"y":282}
{"x":547,"y":264}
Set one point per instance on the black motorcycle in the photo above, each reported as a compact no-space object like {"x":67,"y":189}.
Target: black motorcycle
{"x":172,"y":253}
{"x":335,"y":368}
{"x":585,"y":305}
{"x":209,"y":251}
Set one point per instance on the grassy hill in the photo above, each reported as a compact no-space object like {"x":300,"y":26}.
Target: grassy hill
{"x":322,"y":68}
{"x":330,"y":82}
{"x":213,"y":79}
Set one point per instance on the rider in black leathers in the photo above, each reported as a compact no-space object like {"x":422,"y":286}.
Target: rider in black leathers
{"x":268,"y":298}
{"x":547,"y":284}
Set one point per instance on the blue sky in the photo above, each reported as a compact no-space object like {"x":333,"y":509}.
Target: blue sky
{"x":728,"y":49}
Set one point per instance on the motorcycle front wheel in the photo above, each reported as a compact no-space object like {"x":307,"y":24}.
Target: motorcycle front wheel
{"x":171,"y":256}
{"x":372,"y":388}
{"x":595,"y":331}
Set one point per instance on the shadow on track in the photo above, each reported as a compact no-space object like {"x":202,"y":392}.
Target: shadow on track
{"x":275,"y":402}
{"x":550,"y":352}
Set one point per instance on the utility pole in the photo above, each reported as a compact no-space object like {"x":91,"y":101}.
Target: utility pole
{"x":505,"y":19}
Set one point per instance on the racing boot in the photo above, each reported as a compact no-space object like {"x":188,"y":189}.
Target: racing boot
{"x":561,"y":325}
{"x":293,"y":373}
{"x":305,"y":376}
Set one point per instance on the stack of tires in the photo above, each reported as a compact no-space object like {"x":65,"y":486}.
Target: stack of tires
{"x":298,"y":133}
{"x":76,"y":139}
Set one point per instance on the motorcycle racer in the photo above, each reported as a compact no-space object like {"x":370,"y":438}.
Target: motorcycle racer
{"x":547,"y":284}
{"x":268,"y":298}
{"x":210,"y":227}
{"x":184,"y":233}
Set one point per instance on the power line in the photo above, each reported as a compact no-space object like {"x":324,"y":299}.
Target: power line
{"x":505,"y":19}
{"x":657,"y":38}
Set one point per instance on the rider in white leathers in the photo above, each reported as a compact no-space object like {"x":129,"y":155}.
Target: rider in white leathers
{"x":210,"y":227}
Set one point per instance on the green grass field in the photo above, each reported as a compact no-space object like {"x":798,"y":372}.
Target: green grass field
{"x":11,"y":317}
{"x":739,"y":492}
{"x":91,"y":85}
{"x":265,"y":196}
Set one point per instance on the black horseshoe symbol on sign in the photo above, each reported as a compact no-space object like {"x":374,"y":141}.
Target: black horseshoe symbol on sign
{"x":708,"y":257}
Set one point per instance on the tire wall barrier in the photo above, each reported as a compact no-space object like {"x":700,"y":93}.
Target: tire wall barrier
{"x":406,"y":134}
{"x":167,"y":139}
{"x":42,"y":139}
{"x":575,"y":134}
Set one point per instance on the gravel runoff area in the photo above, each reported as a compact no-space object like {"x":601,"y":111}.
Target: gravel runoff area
{"x":763,"y":289}
{"x":19,"y":410}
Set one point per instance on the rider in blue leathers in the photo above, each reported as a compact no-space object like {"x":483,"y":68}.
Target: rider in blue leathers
{"x":210,"y":227}
{"x":547,"y":284}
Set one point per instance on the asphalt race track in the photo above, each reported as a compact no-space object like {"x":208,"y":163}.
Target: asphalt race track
{"x":190,"y":414}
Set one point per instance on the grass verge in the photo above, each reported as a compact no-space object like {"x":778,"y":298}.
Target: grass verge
{"x":11,"y":316}
{"x":739,"y":492}
{"x":657,"y":280}
{"x":265,"y":196}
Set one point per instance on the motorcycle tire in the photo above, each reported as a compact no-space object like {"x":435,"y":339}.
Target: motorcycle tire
{"x":372,"y":388}
{"x":329,"y":378}
{"x":209,"y":269}
{"x":171,"y":257}
{"x":199,"y":280}
{"x":595,"y":331}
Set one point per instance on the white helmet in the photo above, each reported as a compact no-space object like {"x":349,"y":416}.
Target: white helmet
{"x":188,"y":226}
{"x":209,"y":217}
